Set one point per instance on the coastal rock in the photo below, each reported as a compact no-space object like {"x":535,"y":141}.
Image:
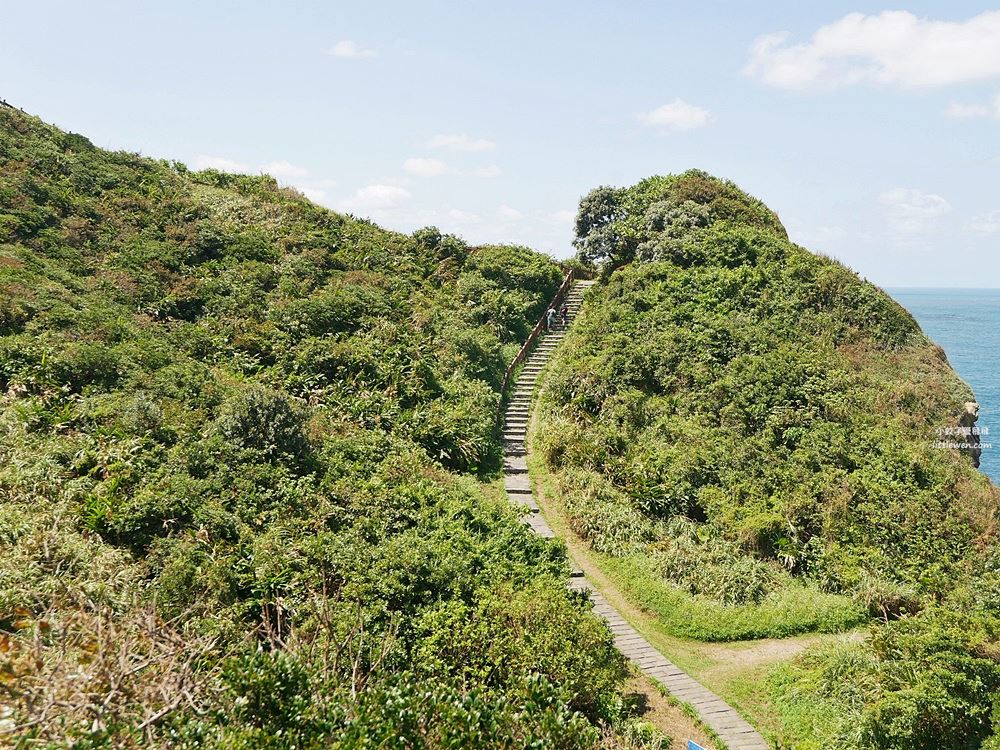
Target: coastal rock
{"x":970,"y":441}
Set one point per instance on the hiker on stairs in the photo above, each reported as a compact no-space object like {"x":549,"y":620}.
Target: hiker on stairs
{"x":550,"y":319}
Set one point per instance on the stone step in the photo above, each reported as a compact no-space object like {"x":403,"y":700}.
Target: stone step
{"x":517,"y":483}
{"x":538,"y":524}
{"x":515,"y":465}
{"x":524,"y":501}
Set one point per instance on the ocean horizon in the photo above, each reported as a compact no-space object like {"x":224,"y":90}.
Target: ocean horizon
{"x":965,"y":322}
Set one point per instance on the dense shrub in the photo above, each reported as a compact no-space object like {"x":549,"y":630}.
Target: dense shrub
{"x":929,"y":681}
{"x":231,"y":436}
{"x":743,"y":430}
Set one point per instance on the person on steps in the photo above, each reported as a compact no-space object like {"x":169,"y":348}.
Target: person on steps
{"x":550,"y":319}
{"x":564,"y":315}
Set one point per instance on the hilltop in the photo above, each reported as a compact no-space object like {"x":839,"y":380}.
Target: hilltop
{"x":744,"y":433}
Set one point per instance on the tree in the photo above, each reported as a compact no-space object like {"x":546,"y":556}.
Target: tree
{"x":597,"y":237}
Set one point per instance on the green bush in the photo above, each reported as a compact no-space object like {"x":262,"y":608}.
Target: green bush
{"x":264,"y":421}
{"x":248,"y":430}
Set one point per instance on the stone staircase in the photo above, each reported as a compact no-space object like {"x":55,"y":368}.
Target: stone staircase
{"x":715,"y":713}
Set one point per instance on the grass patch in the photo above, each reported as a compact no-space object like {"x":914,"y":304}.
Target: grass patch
{"x":791,"y":611}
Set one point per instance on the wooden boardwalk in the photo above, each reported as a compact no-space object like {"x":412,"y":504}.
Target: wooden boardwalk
{"x":714,"y":712}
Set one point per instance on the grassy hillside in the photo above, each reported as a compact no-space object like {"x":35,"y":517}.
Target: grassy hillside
{"x":744,"y":431}
{"x":239,"y":435}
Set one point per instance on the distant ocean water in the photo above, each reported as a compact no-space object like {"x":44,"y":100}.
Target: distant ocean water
{"x":966,"y":324}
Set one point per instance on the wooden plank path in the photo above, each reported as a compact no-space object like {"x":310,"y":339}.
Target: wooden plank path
{"x":714,"y":712}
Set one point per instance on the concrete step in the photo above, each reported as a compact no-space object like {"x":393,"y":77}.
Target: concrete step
{"x":515,"y":465}
{"x":524,"y":501}
{"x":517,"y":483}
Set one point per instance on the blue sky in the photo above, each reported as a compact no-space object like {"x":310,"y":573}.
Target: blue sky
{"x":873,"y":134}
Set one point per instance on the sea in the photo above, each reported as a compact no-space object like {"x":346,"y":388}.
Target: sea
{"x":966,"y":324}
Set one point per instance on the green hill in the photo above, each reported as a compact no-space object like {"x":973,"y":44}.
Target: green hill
{"x":246,"y":447}
{"x":744,"y":433}
{"x":239,"y":440}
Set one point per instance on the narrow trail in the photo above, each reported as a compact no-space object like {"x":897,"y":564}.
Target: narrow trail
{"x":714,"y":712}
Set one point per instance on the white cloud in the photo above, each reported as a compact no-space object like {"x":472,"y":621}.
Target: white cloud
{"x":222,"y":164}
{"x":566,"y":216}
{"x":893,"y":48}
{"x":510,"y":213}
{"x":677,"y":115}
{"x":491,"y":171}
{"x":285,"y":169}
{"x":425,"y":167}
{"x":460,"y":143}
{"x":376,"y":196}
{"x":350,"y":50}
{"x":909,"y":211}
{"x":986,"y":223}
{"x":961,"y":111}
{"x":463,"y":217}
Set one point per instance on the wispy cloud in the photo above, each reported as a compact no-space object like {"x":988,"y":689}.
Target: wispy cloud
{"x":893,"y":48}
{"x":490,"y":171}
{"x":373,"y":197}
{"x":676,"y":116}
{"x":348,"y":49}
{"x":425,"y":167}
{"x":909,"y":211}
{"x":283,"y":169}
{"x":204,"y":161}
{"x":986,"y":223}
{"x":966,"y":111}
{"x":463,"y":217}
{"x":510,"y":213}
{"x":460,"y":142}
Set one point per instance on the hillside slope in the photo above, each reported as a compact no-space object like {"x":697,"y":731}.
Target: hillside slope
{"x":745,"y":433}
{"x":239,"y":436}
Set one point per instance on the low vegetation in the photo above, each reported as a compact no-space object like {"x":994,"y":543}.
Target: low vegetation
{"x":743,"y":431}
{"x":240,"y":437}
